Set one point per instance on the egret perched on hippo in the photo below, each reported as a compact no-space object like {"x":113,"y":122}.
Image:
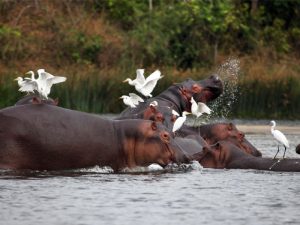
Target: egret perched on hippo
{"x":224,"y":146}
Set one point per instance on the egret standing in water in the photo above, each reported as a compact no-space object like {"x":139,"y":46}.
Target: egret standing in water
{"x":132,"y":100}
{"x":142,"y":85}
{"x":180,"y":121}
{"x":280,"y":138}
{"x":199,"y":108}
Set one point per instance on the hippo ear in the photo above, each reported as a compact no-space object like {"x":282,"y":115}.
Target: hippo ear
{"x":196,"y":88}
{"x":154,"y":125}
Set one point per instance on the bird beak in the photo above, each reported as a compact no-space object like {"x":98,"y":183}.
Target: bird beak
{"x":120,"y":98}
{"x":16,"y":79}
{"x":124,"y":81}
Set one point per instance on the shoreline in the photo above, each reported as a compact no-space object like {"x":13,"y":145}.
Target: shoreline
{"x":263,"y":129}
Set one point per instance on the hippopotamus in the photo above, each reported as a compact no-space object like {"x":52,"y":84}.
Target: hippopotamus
{"x":224,"y":154}
{"x":212,"y":133}
{"x":35,"y":99}
{"x":47,"y":137}
{"x":177,"y":97}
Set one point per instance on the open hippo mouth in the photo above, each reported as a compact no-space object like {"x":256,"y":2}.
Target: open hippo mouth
{"x":212,"y":88}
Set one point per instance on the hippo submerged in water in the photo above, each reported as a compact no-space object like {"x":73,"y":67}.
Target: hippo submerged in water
{"x":46,"y":137}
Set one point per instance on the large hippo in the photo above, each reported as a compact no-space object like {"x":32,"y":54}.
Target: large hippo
{"x":177,"y":97}
{"x":224,"y":154}
{"x":46,"y":137}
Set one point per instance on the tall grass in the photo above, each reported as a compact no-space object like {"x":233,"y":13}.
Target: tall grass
{"x":99,"y":91}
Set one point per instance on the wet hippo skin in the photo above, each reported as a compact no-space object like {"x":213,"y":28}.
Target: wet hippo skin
{"x":226,"y":155}
{"x":46,"y":137}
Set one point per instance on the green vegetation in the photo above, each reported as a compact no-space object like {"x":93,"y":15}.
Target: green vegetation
{"x":98,"y":43}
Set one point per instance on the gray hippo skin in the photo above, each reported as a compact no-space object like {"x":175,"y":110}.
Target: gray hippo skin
{"x":225,"y":155}
{"x":46,"y":137}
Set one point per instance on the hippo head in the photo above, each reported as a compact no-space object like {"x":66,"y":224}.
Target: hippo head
{"x":154,"y":144}
{"x":213,"y":133}
{"x":208,"y":89}
{"x":160,"y":114}
{"x":202,"y":91}
{"x":222,"y":154}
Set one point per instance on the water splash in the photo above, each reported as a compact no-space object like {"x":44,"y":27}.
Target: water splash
{"x":222,"y":106}
{"x":228,"y":72}
{"x":95,"y":169}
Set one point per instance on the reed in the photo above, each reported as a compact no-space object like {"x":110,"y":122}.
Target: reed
{"x":99,"y":91}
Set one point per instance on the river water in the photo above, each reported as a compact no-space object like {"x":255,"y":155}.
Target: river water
{"x":184,"y":196}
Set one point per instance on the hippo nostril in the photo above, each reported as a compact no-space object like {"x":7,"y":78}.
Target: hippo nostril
{"x":165,"y":136}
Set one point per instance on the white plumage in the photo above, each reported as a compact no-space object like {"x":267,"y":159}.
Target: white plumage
{"x":132,"y":100}
{"x":42,"y":84}
{"x":199,"y":108}
{"x":279,"y":137}
{"x":25,"y":85}
{"x":142,"y":85}
{"x":180,"y":121}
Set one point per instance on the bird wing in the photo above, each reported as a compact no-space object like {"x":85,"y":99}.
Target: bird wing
{"x":135,"y":98}
{"x":148,"y":87}
{"x":28,"y":86}
{"x":140,"y":76}
{"x":203,"y":108}
{"x":178,"y":124}
{"x":44,"y":75}
{"x":127,"y":101}
{"x":279,"y":136}
{"x":57,"y":79}
{"x":154,"y":76}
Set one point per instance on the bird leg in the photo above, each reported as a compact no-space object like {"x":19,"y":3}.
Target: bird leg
{"x":276,"y":152}
{"x":36,"y":100}
{"x":284,"y":152}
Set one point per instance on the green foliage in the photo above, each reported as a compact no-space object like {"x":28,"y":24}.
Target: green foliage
{"x":11,"y":42}
{"x":275,"y":99}
{"x":79,"y":47}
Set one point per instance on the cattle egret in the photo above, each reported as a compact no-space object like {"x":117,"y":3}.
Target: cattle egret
{"x":280,"y":138}
{"x":142,"y":85}
{"x":132,"y":100}
{"x":25,"y":85}
{"x":42,"y":84}
{"x":180,"y":121}
{"x":199,"y":108}
{"x":45,"y":82}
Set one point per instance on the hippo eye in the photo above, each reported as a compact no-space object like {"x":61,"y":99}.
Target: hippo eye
{"x":153,"y":126}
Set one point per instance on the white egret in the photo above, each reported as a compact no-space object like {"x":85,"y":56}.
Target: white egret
{"x":25,"y":85}
{"x":132,"y":100}
{"x":180,"y":121}
{"x":45,"y":82}
{"x":199,"y":108}
{"x":142,"y":85}
{"x":279,"y":137}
